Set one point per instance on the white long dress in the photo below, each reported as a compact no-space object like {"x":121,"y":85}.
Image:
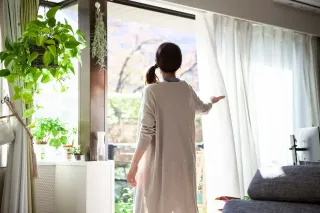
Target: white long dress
{"x":166,"y":178}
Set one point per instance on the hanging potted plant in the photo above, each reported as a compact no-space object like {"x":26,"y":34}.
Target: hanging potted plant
{"x":42,"y":54}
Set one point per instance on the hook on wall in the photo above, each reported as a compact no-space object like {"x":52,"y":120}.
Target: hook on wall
{"x":6,"y":99}
{"x":97,"y":4}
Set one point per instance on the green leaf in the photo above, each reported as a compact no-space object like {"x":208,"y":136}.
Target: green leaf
{"x":72,"y":69}
{"x":39,"y":107}
{"x":50,"y":41}
{"x":64,"y":88}
{"x":52,"y":12}
{"x":64,"y":140}
{"x":31,"y":126}
{"x":11,"y":79}
{"x":4,"y":73}
{"x":55,"y":143}
{"x":69,"y":28}
{"x":53,"y":50}
{"x":8,"y":44}
{"x":72,"y":43}
{"x":47,"y":58}
{"x":31,"y":34}
{"x":26,"y":96}
{"x":52,"y":22}
{"x":45,"y":30}
{"x":7,"y":61}
{"x":3,"y":56}
{"x":45,"y":78}
{"x":41,"y":40}
{"x":79,"y":33}
{"x":28,"y":113}
{"x":16,"y":96}
{"x":17,"y":89}
{"x":57,"y":37}
{"x":33,"y":56}
{"x":39,"y":16}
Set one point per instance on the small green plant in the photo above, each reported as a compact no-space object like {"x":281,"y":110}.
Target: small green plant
{"x":42,"y":54}
{"x":77,"y":150}
{"x":124,"y":202}
{"x":51,"y":131}
{"x":246,"y":198}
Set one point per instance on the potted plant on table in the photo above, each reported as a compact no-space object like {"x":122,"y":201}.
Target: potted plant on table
{"x":50,"y":131}
{"x":69,"y":150}
{"x":77,"y":152}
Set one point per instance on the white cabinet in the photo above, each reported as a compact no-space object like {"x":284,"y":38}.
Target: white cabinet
{"x":84,"y":187}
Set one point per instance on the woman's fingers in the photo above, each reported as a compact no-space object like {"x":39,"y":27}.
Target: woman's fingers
{"x":131,"y":180}
{"x":217,"y":99}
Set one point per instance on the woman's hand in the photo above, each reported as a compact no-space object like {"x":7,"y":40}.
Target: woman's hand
{"x":131,"y":176}
{"x":217,"y":99}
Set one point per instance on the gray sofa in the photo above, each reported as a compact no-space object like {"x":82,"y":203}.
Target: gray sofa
{"x":290,"y":189}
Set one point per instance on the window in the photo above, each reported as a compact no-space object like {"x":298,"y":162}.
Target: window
{"x":57,"y":104}
{"x":132,"y":42}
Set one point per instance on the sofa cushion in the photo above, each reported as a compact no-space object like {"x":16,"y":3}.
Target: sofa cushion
{"x":299,"y":184}
{"x":253,"y":206}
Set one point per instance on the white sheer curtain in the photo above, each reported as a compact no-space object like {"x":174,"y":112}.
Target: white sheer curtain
{"x":15,"y":194}
{"x":267,"y":75}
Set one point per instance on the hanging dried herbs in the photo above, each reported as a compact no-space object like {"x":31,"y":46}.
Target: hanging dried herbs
{"x":99,"y":44}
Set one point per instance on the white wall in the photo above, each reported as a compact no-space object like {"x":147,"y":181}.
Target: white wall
{"x":263,"y":11}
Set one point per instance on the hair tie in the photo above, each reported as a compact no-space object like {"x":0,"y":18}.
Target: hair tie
{"x":156,"y":66}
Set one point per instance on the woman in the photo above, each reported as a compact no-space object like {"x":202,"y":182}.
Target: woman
{"x":163,"y":168}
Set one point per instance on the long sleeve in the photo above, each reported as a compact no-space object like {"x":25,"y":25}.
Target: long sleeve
{"x":200,"y":106}
{"x":147,"y":120}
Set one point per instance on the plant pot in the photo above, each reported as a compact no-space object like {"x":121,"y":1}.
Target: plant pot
{"x":77,"y":157}
{"x":41,"y":150}
{"x":38,"y":62}
{"x":69,"y":156}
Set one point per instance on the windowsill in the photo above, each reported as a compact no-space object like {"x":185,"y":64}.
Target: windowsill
{"x":71,"y":163}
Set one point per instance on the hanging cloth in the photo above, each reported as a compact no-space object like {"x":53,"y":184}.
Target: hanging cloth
{"x":7,"y":101}
{"x":6,"y":131}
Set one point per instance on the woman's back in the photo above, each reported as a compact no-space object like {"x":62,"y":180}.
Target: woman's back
{"x":175,"y":114}
{"x":163,"y":168}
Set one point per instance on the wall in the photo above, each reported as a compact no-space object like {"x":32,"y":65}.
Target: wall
{"x":263,"y":11}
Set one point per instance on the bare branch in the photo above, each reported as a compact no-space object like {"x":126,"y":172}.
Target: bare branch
{"x":122,"y":78}
{"x":189,"y":70}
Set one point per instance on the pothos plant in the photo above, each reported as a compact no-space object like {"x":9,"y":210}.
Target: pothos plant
{"x":42,"y":54}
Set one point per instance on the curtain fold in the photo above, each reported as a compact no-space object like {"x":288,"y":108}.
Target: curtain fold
{"x":269,"y":77}
{"x":15,"y":186}
{"x":29,"y":12}
{"x":19,"y":191}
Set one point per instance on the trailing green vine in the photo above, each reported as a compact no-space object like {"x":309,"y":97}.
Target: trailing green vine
{"x":42,"y":54}
{"x":99,"y":44}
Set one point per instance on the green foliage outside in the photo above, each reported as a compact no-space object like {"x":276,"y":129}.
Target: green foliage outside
{"x":124,"y":202}
{"x":42,"y":54}
{"x":123,"y":108}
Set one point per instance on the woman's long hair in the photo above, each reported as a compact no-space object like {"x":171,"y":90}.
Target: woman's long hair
{"x":168,"y":59}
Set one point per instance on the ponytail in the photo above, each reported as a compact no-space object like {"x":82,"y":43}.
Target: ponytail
{"x":151,"y":76}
